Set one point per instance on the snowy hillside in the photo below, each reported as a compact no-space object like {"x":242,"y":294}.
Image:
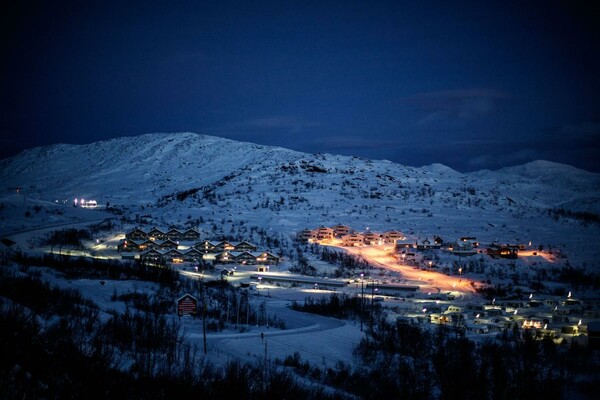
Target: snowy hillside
{"x":184,"y":176}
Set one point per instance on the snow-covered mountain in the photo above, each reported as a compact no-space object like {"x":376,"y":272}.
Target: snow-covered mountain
{"x":185,"y":175}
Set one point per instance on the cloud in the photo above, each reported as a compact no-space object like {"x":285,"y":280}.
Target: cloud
{"x":455,"y":107}
{"x":265,"y":125}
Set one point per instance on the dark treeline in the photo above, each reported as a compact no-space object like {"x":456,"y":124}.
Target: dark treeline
{"x":583,"y":216}
{"x":340,"y":306}
{"x":93,"y":268}
{"x":65,"y":350}
{"x":405,"y":361}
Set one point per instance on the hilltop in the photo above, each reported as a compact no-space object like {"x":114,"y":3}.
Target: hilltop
{"x":186,"y":178}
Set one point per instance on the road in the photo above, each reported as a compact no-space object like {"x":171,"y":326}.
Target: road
{"x":382,"y":256}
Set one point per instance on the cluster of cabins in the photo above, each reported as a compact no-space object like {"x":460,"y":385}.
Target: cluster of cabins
{"x":348,"y":237}
{"x":177,"y":246}
{"x":464,"y":246}
{"x":547,"y":318}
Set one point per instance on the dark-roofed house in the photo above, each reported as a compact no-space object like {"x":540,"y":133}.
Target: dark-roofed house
{"x":192,"y":254}
{"x":244,"y":246}
{"x":156,"y":234}
{"x":151,"y":255}
{"x":246,"y":257}
{"x":191,"y":235}
{"x":174,"y":235}
{"x":266,"y":258}
{"x":307,"y":235}
{"x":168,"y":244}
{"x":136,"y":234}
{"x":224,"y":246}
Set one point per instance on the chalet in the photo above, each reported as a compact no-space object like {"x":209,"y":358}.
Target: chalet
{"x":353,"y":239}
{"x":324,"y":233}
{"x":246,"y":257}
{"x":244,"y":246}
{"x":136,"y":234}
{"x":224,"y":246}
{"x":426,"y":244}
{"x":463,"y":248}
{"x":266,"y":258}
{"x":341,"y":230}
{"x":392,"y":236}
{"x":372,"y":238}
{"x":207,"y":247}
{"x":151,"y":255}
{"x":173,"y":255}
{"x":307,"y":235}
{"x":225,"y":257}
{"x":191,"y":235}
{"x":168,"y":244}
{"x":503,"y":250}
{"x":156,"y":234}
{"x":174,"y":235}
{"x":148,"y":244}
{"x":128,"y":245}
{"x":469,"y":239}
{"x":192,"y":255}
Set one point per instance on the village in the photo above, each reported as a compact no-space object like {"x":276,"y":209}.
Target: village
{"x":428,"y":296}
{"x":405,"y":279}
{"x":175,"y":247}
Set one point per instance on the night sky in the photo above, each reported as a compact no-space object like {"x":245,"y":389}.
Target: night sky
{"x":472,"y":85}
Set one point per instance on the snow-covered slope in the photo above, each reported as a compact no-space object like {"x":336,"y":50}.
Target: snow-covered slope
{"x":182,"y":176}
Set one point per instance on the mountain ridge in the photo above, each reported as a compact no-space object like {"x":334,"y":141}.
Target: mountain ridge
{"x":185,"y":176}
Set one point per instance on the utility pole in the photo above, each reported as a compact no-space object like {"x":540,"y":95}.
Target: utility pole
{"x":362,"y":294}
{"x":237,"y":320}
{"x":204,"y":316}
{"x":372,"y":298}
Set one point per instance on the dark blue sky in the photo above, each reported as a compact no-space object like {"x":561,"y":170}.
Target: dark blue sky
{"x":473,"y":85}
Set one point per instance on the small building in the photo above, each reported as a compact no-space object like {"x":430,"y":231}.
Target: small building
{"x":137,"y":234}
{"x":404,"y":244}
{"x":371,"y":238}
{"x":244,"y":246}
{"x":392,"y":236}
{"x":341,"y":230}
{"x":325,"y":233}
{"x":174,"y":235}
{"x":246,"y":257}
{"x":156,"y":234}
{"x":427,"y":244}
{"x":353,"y":239}
{"x":207,"y":247}
{"x":225,"y":257}
{"x":168,"y":244}
{"x":192,"y":254}
{"x":496,"y":250}
{"x":463,"y":248}
{"x":128,"y":245}
{"x":224,"y":246}
{"x":191,"y":235}
{"x":307,"y":235}
{"x":151,"y":255}
{"x":266,"y":258}
{"x":469,"y":239}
